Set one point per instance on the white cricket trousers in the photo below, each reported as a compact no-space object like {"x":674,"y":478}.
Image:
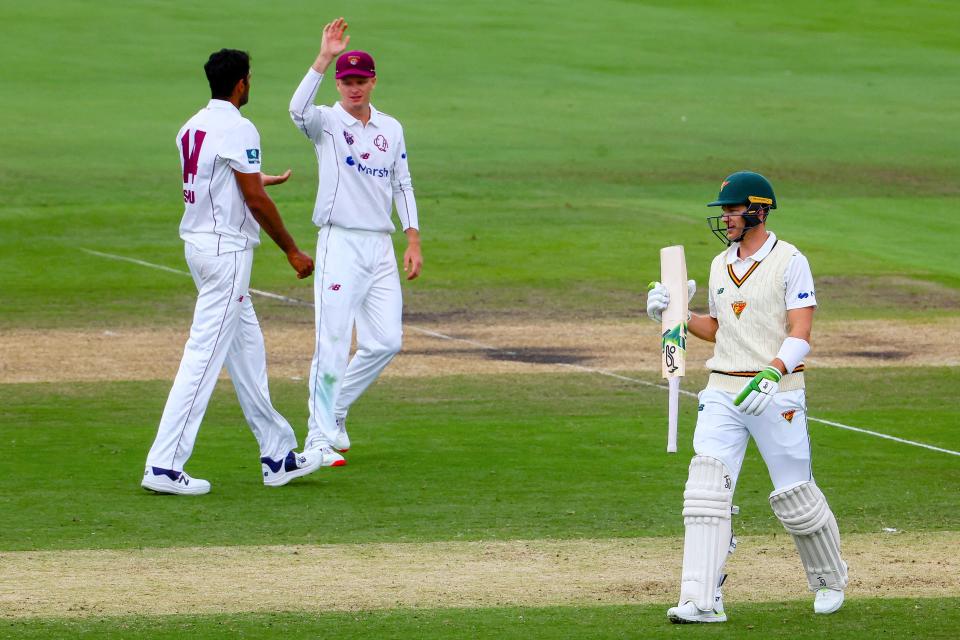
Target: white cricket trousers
{"x":357,"y":282}
{"x":780,"y":432}
{"x":224,"y":330}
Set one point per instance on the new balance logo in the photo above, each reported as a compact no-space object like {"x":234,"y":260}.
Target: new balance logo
{"x":334,"y":287}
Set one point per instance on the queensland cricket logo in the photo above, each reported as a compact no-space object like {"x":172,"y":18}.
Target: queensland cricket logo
{"x":674,"y":340}
{"x":738,"y":307}
{"x":788,"y":415}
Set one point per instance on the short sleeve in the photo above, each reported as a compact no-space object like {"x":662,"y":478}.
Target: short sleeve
{"x":799,"y":283}
{"x":242,"y":148}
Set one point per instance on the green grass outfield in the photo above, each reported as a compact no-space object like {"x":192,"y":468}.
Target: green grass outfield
{"x":465,"y":458}
{"x":555,"y":147}
{"x":925,"y":618}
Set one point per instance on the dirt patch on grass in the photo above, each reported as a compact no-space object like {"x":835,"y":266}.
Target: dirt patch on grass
{"x":459,"y":348}
{"x":863,"y":292}
{"x":445,"y":574}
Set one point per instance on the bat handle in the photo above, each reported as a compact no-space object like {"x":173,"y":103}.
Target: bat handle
{"x":673,"y":412}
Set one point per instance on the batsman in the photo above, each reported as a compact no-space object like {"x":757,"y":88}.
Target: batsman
{"x":761,"y":303}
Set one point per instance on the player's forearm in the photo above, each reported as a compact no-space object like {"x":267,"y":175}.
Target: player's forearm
{"x":406,"y":207}
{"x":265,"y":213}
{"x":413,"y":236}
{"x":703,"y":326}
{"x":322,"y":62}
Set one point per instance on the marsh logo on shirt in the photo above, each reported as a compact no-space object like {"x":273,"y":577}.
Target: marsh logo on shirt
{"x":375,"y":172}
{"x":253,"y":156}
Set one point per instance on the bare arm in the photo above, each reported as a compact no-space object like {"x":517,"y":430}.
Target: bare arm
{"x":265,"y":212}
{"x":800,"y":322}
{"x":703,"y":326}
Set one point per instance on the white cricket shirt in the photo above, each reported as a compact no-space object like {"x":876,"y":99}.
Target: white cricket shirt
{"x":363,"y":169}
{"x":212,"y":144}
{"x":797,"y":279}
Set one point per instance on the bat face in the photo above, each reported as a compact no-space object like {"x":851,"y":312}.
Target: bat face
{"x":673,"y":274}
{"x":674,"y":350}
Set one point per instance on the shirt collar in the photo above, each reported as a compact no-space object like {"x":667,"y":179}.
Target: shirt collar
{"x":216,"y":103}
{"x":761,"y":253}
{"x":349,"y":120}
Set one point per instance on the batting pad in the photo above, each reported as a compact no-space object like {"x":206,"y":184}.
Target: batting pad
{"x":806,"y":516}
{"x":706,"y":515}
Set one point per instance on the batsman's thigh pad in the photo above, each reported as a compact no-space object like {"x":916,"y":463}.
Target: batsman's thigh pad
{"x":806,"y":516}
{"x":707,"y":501}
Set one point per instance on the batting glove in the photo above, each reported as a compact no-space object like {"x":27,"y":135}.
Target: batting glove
{"x":757,"y":394}
{"x":658,"y":298}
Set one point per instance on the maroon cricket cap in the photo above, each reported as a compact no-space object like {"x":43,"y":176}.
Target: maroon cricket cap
{"x":355,"y":63}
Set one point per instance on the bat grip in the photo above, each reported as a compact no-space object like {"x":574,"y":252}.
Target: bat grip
{"x":673,"y":412}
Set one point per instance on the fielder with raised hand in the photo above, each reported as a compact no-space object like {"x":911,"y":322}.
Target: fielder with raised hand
{"x":761,"y":300}
{"x":225,"y":206}
{"x":363,"y":174}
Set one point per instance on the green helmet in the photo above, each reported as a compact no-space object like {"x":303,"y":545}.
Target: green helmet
{"x":746,"y":187}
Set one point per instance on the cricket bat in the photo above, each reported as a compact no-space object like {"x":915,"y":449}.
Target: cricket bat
{"x":673,"y":274}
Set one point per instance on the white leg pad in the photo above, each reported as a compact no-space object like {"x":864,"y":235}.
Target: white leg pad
{"x":806,"y":516}
{"x":707,"y":501}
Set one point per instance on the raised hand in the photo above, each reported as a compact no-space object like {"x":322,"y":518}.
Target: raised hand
{"x":334,"y":42}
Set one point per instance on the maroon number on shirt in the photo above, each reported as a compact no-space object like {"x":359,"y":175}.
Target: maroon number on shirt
{"x":191,"y":159}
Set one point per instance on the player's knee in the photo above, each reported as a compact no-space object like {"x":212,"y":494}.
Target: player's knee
{"x":386,"y":347}
{"x":789,"y":470}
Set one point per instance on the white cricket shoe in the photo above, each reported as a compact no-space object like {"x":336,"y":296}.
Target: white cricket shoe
{"x":277,"y":473}
{"x":327,"y":456}
{"x":342,"y":442}
{"x":170,"y":481}
{"x":827,"y":600}
{"x":688,"y":612}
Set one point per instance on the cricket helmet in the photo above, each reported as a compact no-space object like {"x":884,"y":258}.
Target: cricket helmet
{"x":745,"y":187}
{"x":742,"y":188}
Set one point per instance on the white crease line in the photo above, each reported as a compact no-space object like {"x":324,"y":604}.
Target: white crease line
{"x":265,"y":294}
{"x":488,"y":347}
{"x":883,"y":435}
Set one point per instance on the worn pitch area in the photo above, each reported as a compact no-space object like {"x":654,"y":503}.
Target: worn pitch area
{"x":615,"y":345}
{"x":445,"y":574}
